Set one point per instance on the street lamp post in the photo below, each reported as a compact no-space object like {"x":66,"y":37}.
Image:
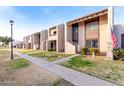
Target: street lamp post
{"x":11,"y":22}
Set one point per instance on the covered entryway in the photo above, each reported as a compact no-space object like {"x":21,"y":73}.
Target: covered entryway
{"x":29,"y":46}
{"x":52,"y":45}
{"x":37,"y":40}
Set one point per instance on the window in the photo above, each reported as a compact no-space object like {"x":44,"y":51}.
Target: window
{"x":92,"y":43}
{"x":54,"y":33}
{"x":92,"y":25}
{"x":75,"y":32}
{"x":88,"y":43}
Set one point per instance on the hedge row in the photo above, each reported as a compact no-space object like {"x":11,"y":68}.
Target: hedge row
{"x":52,"y":49}
{"x":118,"y":54}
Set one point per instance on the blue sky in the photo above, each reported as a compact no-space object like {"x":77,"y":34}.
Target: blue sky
{"x":32,"y":19}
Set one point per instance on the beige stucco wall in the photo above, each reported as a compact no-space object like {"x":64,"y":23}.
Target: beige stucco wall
{"x":24,"y":42}
{"x":69,"y":47}
{"x":61,"y":38}
{"x":81,"y":35}
{"x":43,"y":39}
{"x":69,"y":33}
{"x":110,"y":29}
{"x":44,"y":35}
{"x":31,"y":41}
{"x":103,"y":28}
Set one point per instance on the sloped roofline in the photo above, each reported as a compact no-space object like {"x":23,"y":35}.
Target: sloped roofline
{"x":82,"y":18}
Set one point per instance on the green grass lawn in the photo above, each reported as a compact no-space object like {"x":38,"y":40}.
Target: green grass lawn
{"x":3,"y":47}
{"x":109,"y":70}
{"x":19,"y":63}
{"x":50,"y":56}
{"x":14,"y":63}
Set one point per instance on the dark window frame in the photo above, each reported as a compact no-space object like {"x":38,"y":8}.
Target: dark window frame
{"x":90,"y":41}
{"x":75,"y":32}
{"x":89,"y":26}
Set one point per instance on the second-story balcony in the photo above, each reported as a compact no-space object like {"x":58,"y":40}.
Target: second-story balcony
{"x":53,"y":34}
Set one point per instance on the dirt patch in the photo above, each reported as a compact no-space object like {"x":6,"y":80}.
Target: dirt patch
{"x":32,"y":75}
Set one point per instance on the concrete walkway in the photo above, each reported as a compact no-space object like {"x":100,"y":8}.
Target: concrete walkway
{"x":65,"y":59}
{"x":70,"y":75}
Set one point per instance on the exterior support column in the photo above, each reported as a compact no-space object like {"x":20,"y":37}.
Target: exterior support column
{"x":34,"y":46}
{"x":110,"y":29}
{"x":31,"y":41}
{"x":81,"y":36}
{"x":57,"y":49}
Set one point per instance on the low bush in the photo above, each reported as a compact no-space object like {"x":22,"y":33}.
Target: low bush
{"x":52,"y":49}
{"x":118,"y":54}
{"x":95,"y":50}
{"x":84,"y":51}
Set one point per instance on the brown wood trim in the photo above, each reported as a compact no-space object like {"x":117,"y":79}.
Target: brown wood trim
{"x":87,"y":17}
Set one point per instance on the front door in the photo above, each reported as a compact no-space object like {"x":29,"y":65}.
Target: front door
{"x":122,"y":41}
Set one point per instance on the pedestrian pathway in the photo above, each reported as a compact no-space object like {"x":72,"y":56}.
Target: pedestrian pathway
{"x":70,"y":75}
{"x":65,"y":59}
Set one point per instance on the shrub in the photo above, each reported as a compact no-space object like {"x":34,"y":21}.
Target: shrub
{"x":84,"y":51}
{"x":95,"y":50}
{"x":118,"y":54}
{"x":52,"y":49}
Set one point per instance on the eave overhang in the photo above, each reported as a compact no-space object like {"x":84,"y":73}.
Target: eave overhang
{"x":87,"y":17}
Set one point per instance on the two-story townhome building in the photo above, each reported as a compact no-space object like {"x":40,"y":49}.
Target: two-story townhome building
{"x":92,"y":30}
{"x":56,"y":38}
{"x":28,"y":42}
